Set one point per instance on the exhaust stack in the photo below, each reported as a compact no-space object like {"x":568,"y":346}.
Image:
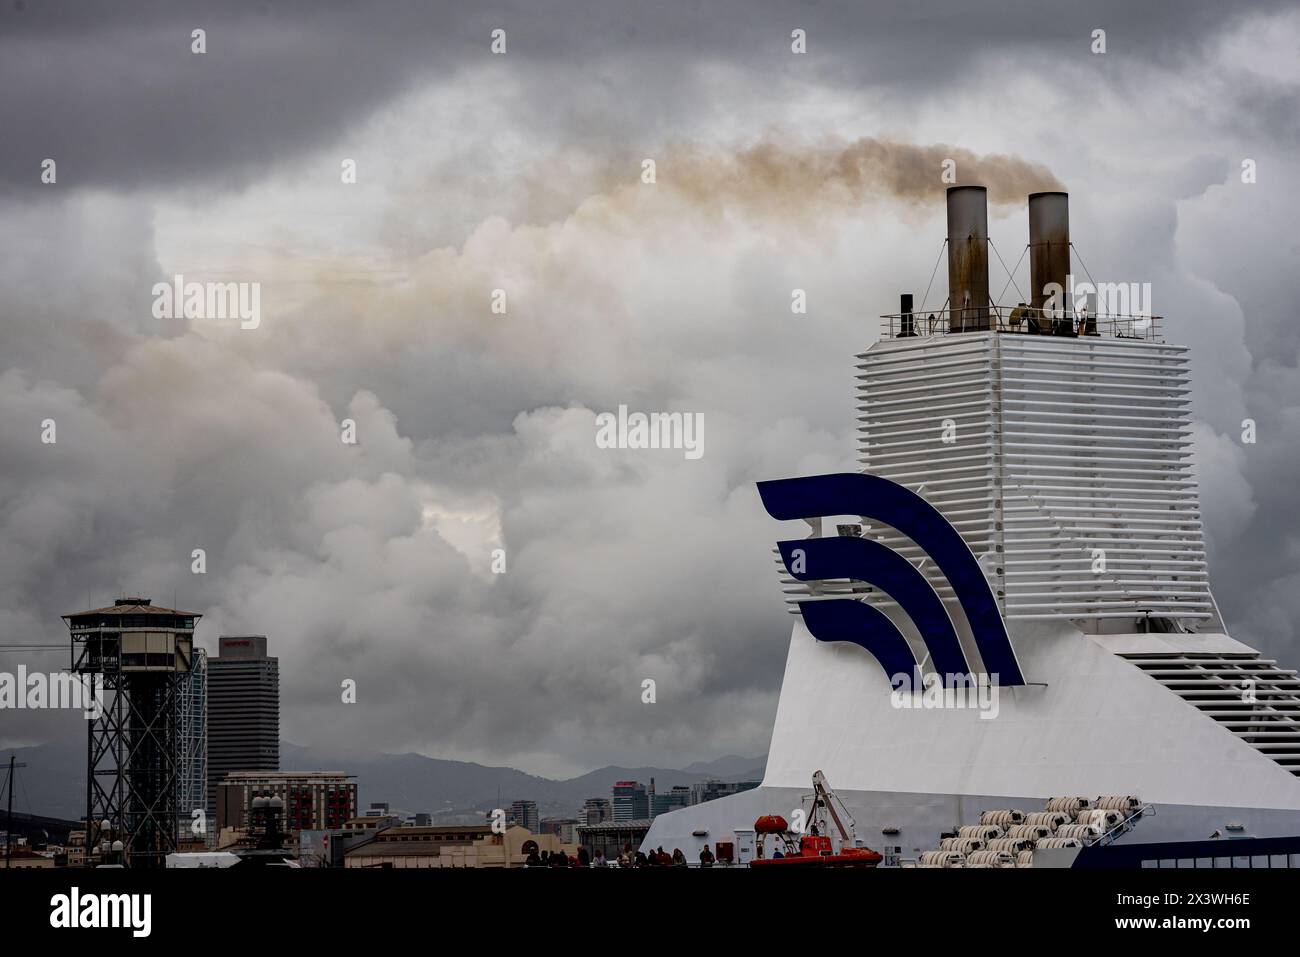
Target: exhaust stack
{"x":968,"y":258}
{"x":907,"y":323}
{"x":1049,"y":246}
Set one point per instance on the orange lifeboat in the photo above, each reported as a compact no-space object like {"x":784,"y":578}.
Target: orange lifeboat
{"x":815,"y":851}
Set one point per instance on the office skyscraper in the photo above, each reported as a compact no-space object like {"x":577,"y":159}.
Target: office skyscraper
{"x":243,"y":711}
{"x":663,"y":802}
{"x":631,"y":802}
{"x":597,"y":811}
{"x":525,"y":815}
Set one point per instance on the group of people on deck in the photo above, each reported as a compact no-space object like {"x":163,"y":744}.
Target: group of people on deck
{"x":629,"y":858}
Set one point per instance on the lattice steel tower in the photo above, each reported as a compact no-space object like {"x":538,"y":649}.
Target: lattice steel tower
{"x":134,"y":759}
{"x":194,"y":749}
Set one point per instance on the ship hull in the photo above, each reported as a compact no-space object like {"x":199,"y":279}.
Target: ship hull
{"x":1095,"y":724}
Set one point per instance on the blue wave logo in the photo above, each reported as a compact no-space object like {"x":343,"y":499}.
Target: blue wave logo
{"x":868,"y":561}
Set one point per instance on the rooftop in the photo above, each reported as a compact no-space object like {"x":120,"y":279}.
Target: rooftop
{"x":133,"y":606}
{"x":450,"y":833}
{"x":639,"y":824}
{"x":240,"y":777}
{"x":388,"y":849}
{"x":1020,"y":319}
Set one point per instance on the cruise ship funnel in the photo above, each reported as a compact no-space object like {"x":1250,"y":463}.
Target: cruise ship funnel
{"x":1049,"y":243}
{"x":968,"y":259}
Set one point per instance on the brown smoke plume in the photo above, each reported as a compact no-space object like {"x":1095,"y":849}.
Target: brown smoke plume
{"x":779,"y":177}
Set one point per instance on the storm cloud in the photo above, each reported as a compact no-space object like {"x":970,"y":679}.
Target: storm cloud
{"x":523,"y":173}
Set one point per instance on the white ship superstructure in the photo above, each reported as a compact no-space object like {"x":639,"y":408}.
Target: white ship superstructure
{"x":1056,"y":448}
{"x":1057,"y":442}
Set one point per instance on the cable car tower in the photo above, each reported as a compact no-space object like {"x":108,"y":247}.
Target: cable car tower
{"x":142,"y":654}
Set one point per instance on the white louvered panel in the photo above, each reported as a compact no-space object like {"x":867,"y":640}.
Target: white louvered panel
{"x":1248,"y":695}
{"x":1097,"y":458}
{"x":1063,"y":447}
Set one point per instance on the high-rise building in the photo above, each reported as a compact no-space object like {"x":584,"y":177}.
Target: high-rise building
{"x":713,"y":789}
{"x":631,"y":802}
{"x":243,"y":711}
{"x":194,"y":748}
{"x":597,"y":811}
{"x":662,"y":803}
{"x":524,"y":813}
{"x":565,"y":828}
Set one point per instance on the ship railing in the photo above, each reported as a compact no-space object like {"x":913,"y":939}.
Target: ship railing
{"x":1124,"y":826}
{"x":1021,"y":320}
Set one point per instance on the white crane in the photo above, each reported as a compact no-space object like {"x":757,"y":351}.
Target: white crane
{"x":829,"y":810}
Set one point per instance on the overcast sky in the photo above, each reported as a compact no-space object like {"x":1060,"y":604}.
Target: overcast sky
{"x":522,"y":172}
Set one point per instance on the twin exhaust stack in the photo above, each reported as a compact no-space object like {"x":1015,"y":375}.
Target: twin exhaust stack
{"x":968,"y":257}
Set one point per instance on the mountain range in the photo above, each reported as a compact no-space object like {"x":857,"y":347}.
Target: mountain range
{"x":54,"y":781}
